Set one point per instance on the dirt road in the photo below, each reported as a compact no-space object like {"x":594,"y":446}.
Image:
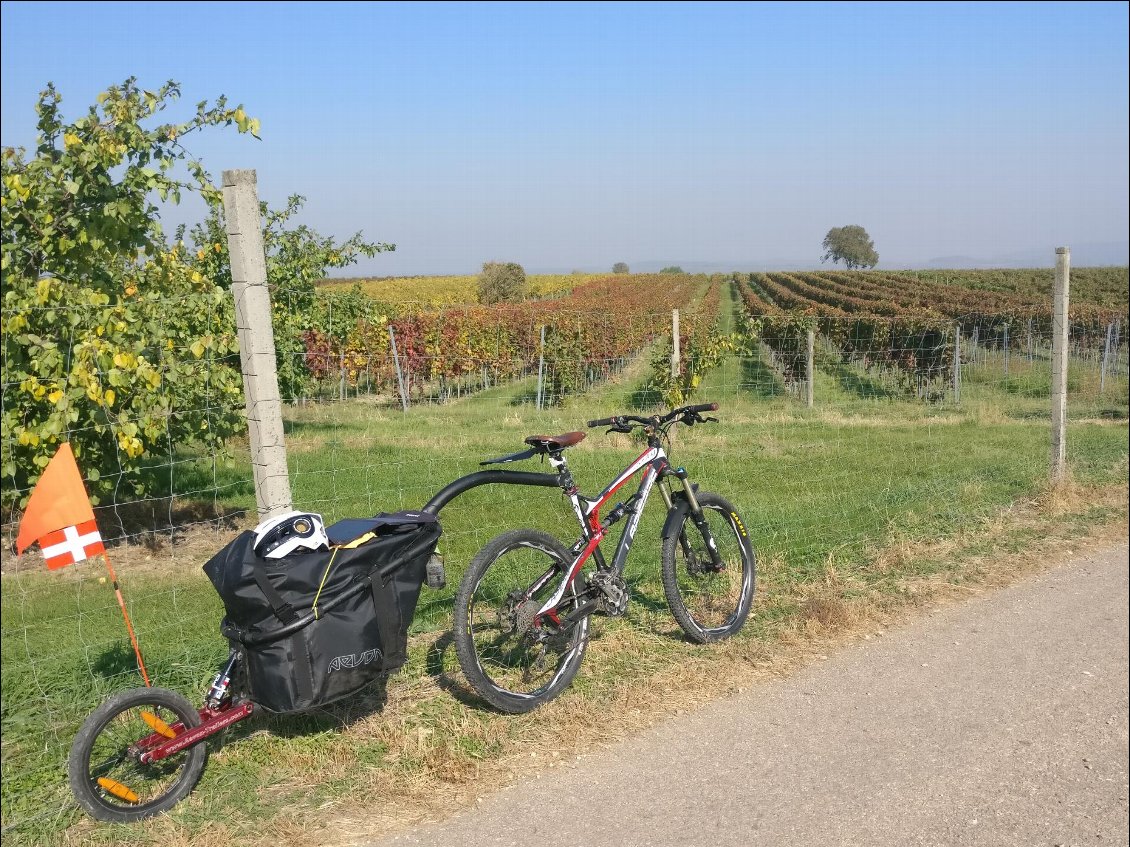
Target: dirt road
{"x":998,"y":721}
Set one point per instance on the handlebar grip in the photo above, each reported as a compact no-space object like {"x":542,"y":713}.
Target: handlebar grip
{"x":602,"y":422}
{"x":703,"y":407}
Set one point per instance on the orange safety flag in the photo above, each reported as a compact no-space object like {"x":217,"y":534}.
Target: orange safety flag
{"x":59,"y":516}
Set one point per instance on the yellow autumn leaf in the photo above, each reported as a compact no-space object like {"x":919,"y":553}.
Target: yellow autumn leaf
{"x":109,"y":396}
{"x":70,"y":140}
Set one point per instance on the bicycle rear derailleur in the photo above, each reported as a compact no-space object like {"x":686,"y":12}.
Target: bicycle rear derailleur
{"x":611,"y":592}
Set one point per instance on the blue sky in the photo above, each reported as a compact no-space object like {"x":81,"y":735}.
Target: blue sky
{"x":572,"y":136}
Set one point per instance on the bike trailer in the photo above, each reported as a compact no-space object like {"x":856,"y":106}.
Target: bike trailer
{"x":317,"y":625}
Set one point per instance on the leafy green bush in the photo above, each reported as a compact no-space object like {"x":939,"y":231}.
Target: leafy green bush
{"x":103,"y":324}
{"x":502,"y":282}
{"x":113,"y":339}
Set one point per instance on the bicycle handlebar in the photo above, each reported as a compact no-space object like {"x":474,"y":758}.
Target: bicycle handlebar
{"x":702,"y":407}
{"x":602,"y":422}
{"x":621,"y":420}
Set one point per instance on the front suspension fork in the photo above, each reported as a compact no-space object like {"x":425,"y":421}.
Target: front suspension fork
{"x":697,"y":516}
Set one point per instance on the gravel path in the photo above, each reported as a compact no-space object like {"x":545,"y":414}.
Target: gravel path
{"x":997,"y":721}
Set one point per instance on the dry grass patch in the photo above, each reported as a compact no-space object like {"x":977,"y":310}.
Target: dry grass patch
{"x":689,"y":677}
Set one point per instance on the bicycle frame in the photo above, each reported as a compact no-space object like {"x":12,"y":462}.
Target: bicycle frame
{"x":655,"y":466}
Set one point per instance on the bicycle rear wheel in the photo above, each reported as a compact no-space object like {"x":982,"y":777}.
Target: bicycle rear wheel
{"x":512,"y":660}
{"x":106,"y":776}
{"x":710,"y":604}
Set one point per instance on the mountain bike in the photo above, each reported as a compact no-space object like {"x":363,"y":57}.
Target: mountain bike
{"x":524,"y":604}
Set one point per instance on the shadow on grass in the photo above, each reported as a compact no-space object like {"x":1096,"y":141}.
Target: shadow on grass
{"x":160,"y":521}
{"x":645,"y":397}
{"x":368,"y":701}
{"x":118,"y":661}
{"x":1113,"y":414}
{"x":451,"y":682}
{"x":760,"y":380}
{"x":330,"y":427}
{"x":641,"y":598}
{"x":860,"y":384}
{"x":529,"y":397}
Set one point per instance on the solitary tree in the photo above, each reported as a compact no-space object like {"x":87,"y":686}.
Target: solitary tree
{"x":850,"y":245}
{"x":502,"y":282}
{"x":620,"y":268}
{"x":672,"y":269}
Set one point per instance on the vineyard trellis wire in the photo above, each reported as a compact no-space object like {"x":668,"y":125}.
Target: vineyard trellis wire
{"x":886,"y":453}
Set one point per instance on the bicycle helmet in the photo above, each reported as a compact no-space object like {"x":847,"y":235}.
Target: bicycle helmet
{"x":294,"y":532}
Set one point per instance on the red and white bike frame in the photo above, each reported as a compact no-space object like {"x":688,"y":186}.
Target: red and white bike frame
{"x":653,"y":462}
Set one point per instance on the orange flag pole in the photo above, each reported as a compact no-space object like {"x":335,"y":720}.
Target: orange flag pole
{"x":129,"y":623}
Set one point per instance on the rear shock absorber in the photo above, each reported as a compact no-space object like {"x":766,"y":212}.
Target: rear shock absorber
{"x":221,"y":685}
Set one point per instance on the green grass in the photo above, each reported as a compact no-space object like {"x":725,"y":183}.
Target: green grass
{"x":837,"y":482}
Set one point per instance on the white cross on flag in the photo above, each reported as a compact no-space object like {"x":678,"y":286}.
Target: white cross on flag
{"x":58,"y":515}
{"x":71,"y":544}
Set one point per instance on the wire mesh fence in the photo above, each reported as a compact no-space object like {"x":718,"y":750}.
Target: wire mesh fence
{"x":917,"y":429}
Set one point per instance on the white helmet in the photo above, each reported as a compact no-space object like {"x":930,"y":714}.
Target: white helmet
{"x":278,"y":537}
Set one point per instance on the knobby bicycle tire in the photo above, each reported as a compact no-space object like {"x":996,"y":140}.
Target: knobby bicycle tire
{"x":496,"y":642}
{"x":710,"y":605}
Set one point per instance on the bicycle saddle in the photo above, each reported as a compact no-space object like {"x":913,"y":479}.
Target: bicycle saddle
{"x":553,"y":443}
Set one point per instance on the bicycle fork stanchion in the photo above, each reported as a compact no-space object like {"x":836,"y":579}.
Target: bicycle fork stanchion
{"x":699,"y":519}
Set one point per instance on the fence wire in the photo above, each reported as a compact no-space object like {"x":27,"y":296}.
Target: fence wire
{"x":916,"y":429}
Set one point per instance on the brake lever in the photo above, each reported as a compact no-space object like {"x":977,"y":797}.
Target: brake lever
{"x":709,"y":420}
{"x":621,"y":429}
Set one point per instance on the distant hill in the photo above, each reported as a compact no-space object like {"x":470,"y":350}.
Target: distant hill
{"x":1094,"y":254}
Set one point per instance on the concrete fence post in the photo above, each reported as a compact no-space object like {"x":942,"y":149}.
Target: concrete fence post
{"x":1007,"y":350}
{"x":957,"y":363}
{"x":1106,"y":358}
{"x":399,"y":373}
{"x":674,"y":344}
{"x":256,"y":342}
{"x":809,"y":368}
{"x":1059,"y":363}
{"x":541,"y":369}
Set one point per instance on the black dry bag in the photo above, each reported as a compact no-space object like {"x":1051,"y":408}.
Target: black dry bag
{"x":314,"y":627}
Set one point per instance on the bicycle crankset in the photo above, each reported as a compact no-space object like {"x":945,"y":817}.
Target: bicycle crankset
{"x":611,"y":591}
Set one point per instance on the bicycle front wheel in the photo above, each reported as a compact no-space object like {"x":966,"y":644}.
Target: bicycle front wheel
{"x":106,"y":776}
{"x":710,"y":602}
{"x":513,"y":659}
